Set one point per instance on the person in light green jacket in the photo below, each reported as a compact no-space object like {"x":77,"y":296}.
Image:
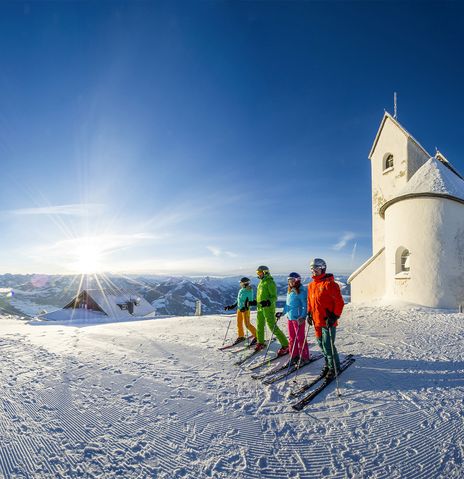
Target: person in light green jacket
{"x":266,"y":298}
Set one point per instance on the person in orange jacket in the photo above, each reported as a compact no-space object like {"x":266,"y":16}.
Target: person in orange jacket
{"x":325,"y":306}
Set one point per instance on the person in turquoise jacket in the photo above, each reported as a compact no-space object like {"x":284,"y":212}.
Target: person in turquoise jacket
{"x":266,"y":298}
{"x":295,"y":309}
{"x":244,"y":298}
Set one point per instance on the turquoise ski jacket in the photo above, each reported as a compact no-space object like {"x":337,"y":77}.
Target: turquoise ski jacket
{"x":244,"y":295}
{"x":296,"y":304}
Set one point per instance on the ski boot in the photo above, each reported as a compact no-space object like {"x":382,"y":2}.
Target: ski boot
{"x":330,"y":373}
{"x":282,"y":351}
{"x":325,"y":370}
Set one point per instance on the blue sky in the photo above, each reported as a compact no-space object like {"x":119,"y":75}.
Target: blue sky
{"x":210,"y":137}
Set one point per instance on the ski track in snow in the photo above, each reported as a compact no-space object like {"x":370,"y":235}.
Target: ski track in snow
{"x":156,"y":399}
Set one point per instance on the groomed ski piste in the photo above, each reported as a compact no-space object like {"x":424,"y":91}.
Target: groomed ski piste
{"x":156,"y":399}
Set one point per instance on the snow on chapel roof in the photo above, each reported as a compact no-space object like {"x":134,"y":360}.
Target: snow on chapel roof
{"x":434,"y":178}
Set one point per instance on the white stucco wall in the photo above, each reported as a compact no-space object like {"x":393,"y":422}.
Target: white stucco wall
{"x":386,"y":184}
{"x":416,"y":158}
{"x":368,"y":282}
{"x":432,"y":229}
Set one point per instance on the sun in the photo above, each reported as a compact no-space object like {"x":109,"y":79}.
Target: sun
{"x":88,"y":257}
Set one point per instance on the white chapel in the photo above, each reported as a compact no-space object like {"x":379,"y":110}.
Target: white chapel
{"x":417,"y":225}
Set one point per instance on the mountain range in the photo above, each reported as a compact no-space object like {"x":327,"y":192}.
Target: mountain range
{"x":32,"y":294}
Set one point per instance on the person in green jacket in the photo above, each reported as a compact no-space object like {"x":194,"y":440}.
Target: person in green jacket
{"x":266,"y":298}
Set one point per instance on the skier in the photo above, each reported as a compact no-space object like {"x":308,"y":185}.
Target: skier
{"x":244,"y":297}
{"x":325,"y":305}
{"x":295,"y":308}
{"x":266,"y":298}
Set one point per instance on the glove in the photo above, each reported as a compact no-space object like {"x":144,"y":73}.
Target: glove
{"x":265,"y":303}
{"x":279,"y":315}
{"x":309,"y":318}
{"x":228,"y":308}
{"x":331,"y":318}
{"x":252,"y":303}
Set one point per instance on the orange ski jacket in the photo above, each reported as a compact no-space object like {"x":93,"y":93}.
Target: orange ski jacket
{"x":324,"y":293}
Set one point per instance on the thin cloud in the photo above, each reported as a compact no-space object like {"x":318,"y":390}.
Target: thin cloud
{"x":64,"y":251}
{"x":89,"y":209}
{"x":188,"y":209}
{"x":353,"y":253}
{"x":105,"y":243}
{"x":218,"y":252}
{"x":214,"y":251}
{"x":343,"y":241}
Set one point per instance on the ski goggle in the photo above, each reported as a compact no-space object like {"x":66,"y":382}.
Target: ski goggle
{"x":261,"y":271}
{"x":315,"y":268}
{"x":291,"y":278}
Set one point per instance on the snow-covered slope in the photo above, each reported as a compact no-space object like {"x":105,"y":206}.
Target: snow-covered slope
{"x":156,"y":399}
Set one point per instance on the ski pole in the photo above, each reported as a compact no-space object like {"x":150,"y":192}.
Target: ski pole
{"x":290,"y":360}
{"x":227,"y":331}
{"x":270,"y":340}
{"x":333,"y":357}
{"x":304,"y":344}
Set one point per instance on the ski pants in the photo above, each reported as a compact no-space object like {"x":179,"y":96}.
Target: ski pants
{"x":267,"y":315}
{"x":326,"y":347}
{"x":297,"y":340}
{"x":244,"y":317}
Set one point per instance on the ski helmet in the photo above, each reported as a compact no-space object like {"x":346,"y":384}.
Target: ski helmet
{"x":318,"y":263}
{"x":245,"y":281}
{"x":294,"y":276}
{"x":262,"y":269}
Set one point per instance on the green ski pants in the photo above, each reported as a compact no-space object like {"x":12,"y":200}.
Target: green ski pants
{"x":267,"y":315}
{"x":324,"y":344}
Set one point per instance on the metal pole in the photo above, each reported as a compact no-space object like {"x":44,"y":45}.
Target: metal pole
{"x":304,"y":344}
{"x":227,"y":331}
{"x":289,"y":361}
{"x":272,"y":336}
{"x":333,"y":358}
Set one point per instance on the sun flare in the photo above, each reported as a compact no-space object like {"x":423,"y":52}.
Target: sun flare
{"x":88,"y":257}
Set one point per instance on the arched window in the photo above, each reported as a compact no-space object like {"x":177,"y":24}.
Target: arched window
{"x":402,"y":262}
{"x":405,"y":260}
{"x":388,"y":161}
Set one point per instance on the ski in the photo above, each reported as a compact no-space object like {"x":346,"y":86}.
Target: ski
{"x":315,"y":380}
{"x":298,"y":406}
{"x":273,"y":371}
{"x":249,"y":356}
{"x":278,"y":377}
{"x":231,"y":345}
{"x":244,"y":348}
{"x":268,"y":360}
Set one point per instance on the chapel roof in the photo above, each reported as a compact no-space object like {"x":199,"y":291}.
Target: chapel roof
{"x":387,"y":116}
{"x":436,"y":177}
